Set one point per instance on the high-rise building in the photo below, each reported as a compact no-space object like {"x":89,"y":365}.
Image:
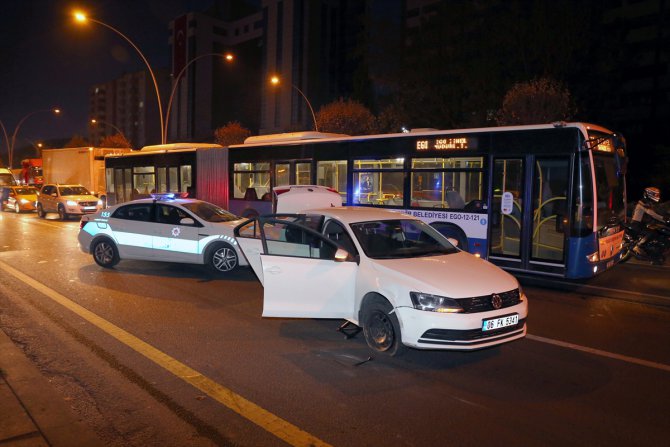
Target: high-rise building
{"x":127,"y":105}
{"x":210,"y":90}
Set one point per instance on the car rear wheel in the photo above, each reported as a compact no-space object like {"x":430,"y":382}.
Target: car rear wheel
{"x":61,"y":212}
{"x":40,"y":211}
{"x":222,"y":258}
{"x":105,"y":253}
{"x":17,"y":208}
{"x":381,"y":328}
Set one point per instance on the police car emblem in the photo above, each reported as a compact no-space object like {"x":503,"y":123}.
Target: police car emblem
{"x":176,"y":231}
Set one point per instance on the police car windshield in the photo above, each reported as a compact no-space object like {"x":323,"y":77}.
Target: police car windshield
{"x":400,"y":238}
{"x":209,"y":212}
{"x":73,"y":191}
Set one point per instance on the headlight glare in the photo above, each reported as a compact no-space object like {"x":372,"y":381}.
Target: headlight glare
{"x":71,"y":203}
{"x":434,"y":303}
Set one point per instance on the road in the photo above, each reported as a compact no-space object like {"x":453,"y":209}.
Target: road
{"x":163,"y":354}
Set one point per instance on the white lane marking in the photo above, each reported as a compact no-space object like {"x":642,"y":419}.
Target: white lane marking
{"x":270,"y":422}
{"x":623,"y":358}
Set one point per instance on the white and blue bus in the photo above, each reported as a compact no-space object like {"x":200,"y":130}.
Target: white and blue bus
{"x":541,"y":199}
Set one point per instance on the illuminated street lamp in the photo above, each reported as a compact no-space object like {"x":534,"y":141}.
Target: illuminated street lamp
{"x":274,"y":80}
{"x":80,"y":17}
{"x":95,"y":121}
{"x":228,"y":58}
{"x":10,"y":144}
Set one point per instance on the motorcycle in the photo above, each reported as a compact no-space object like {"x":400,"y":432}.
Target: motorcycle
{"x":648,"y":241}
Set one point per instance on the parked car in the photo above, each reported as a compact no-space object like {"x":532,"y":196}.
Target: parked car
{"x":18,"y":198}
{"x":391,"y":274}
{"x":163,"y":228}
{"x":66,"y":200}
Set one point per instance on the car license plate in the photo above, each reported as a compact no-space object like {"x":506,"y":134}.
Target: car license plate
{"x":89,"y":208}
{"x":498,"y":323}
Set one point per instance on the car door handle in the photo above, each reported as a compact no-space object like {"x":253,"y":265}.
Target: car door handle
{"x":275,"y":269}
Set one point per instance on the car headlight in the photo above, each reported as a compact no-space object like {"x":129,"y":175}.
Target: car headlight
{"x":435,"y":303}
{"x":99,"y":202}
{"x":71,"y":203}
{"x":24,"y":201}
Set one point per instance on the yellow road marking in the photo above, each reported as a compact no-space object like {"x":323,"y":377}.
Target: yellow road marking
{"x":244,"y":407}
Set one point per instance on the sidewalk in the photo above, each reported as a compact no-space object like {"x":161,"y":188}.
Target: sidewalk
{"x":32,"y":413}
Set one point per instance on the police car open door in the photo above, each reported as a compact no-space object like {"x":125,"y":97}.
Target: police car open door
{"x":304,"y":274}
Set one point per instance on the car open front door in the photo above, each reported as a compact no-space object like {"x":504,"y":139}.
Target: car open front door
{"x":298,"y":268}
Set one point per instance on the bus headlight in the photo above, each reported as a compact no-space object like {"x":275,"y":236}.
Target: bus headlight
{"x":593,"y":257}
{"x":435,"y":303}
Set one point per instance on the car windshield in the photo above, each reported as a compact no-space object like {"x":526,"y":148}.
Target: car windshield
{"x":209,"y":212}
{"x":73,"y":191}
{"x":26,"y":191}
{"x":400,"y":238}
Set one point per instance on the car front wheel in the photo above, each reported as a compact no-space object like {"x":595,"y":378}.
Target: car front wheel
{"x":222,"y":258}
{"x":40,"y":211}
{"x":105,"y":253}
{"x":381,"y":328}
{"x":61,"y":213}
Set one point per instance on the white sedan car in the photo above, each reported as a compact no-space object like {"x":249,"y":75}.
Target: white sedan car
{"x":163,"y":229}
{"x":388,"y":273}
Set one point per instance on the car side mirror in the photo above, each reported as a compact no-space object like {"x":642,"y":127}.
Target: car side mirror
{"x":186,"y":221}
{"x":341,"y":255}
{"x":453,"y":241}
{"x":54,"y":194}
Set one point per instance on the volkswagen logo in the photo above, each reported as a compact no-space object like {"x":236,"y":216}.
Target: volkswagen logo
{"x":496,"y":301}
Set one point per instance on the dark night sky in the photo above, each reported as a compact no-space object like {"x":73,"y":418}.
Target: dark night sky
{"x":48,"y":60}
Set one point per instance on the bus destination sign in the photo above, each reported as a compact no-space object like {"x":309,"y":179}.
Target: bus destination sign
{"x":446,"y":143}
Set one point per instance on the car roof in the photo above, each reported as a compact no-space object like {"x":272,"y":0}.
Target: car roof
{"x":353,"y":214}
{"x":178,"y":201}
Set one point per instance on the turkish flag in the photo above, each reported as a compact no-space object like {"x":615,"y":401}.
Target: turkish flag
{"x":179,"y":47}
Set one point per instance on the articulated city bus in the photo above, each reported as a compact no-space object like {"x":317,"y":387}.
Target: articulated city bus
{"x":542,"y":198}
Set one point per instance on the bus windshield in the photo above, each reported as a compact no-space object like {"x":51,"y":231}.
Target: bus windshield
{"x":609,"y":189}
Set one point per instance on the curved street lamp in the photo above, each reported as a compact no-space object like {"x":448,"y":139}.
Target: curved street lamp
{"x":18,"y":126}
{"x":82,"y":18}
{"x":95,"y":121}
{"x":4,"y":132}
{"x":274,"y":80}
{"x":227,"y":56}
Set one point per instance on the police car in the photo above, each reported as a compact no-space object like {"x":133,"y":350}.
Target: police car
{"x":163,"y":228}
{"x":390,"y":274}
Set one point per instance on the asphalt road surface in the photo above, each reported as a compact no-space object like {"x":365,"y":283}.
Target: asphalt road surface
{"x":163,"y":354}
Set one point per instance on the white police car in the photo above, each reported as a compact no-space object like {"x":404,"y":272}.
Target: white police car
{"x":163,"y":228}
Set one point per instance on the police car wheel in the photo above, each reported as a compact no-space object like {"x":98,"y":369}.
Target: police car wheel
{"x":381,"y":328}
{"x":105,"y":253}
{"x":222,"y":258}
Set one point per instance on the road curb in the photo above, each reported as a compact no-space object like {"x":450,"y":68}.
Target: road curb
{"x":45,"y":409}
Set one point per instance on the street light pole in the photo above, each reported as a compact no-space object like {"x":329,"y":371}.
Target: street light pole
{"x":18,"y":126}
{"x":95,"y":121}
{"x":4,"y":131}
{"x":81,"y":18}
{"x":275,"y":81}
{"x":227,"y":56}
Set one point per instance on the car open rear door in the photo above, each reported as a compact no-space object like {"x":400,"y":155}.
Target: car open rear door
{"x":300,"y":274}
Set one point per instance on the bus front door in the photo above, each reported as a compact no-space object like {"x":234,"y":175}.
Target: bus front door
{"x":528,"y":215}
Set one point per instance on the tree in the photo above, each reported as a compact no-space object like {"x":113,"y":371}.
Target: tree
{"x":538,"y":101}
{"x":76,"y":141}
{"x":117,"y":140}
{"x":346,"y":116}
{"x":232,"y":133}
